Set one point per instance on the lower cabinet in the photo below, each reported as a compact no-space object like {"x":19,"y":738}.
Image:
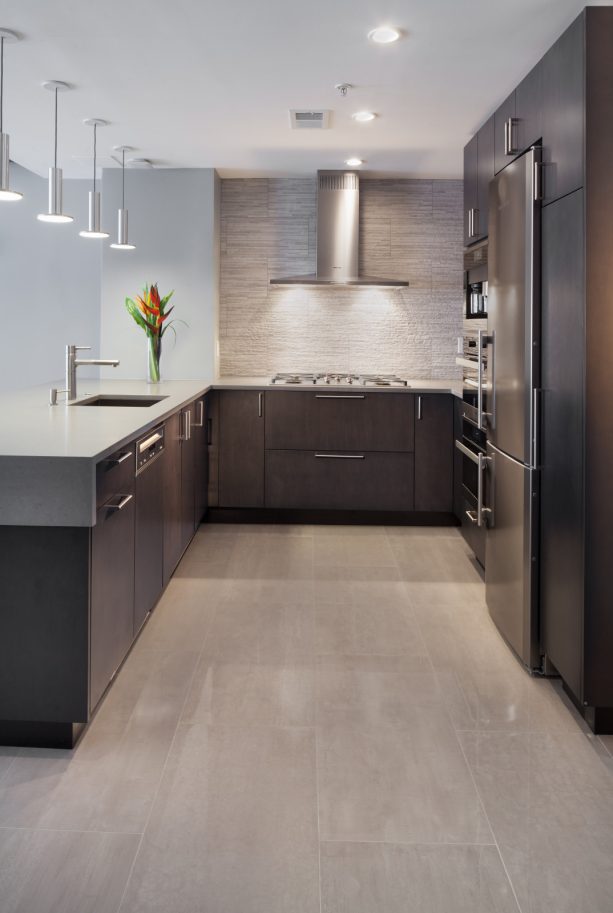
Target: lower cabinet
{"x":188,"y":476}
{"x":112,"y":572}
{"x":173,"y":526}
{"x":149,"y":540}
{"x":200,"y":461}
{"x":434,"y":452}
{"x":241,"y":448}
{"x":313,"y":480}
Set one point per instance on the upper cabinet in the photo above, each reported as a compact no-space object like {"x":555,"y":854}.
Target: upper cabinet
{"x":478,"y":172}
{"x":548,"y":107}
{"x":563,"y":113}
{"x":505,"y":133}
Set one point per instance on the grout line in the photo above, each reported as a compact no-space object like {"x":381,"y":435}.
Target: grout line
{"x":68,"y":830}
{"x":164,"y":768}
{"x":319,"y":841}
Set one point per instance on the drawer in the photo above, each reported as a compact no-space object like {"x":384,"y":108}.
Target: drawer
{"x":322,"y":480}
{"x":339,"y":420}
{"x":115,"y":474}
{"x":473,"y":534}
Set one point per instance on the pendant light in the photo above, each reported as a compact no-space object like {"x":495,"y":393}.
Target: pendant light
{"x":54,"y":212}
{"x":93,"y":225}
{"x":6,"y":194}
{"x":122,"y":242}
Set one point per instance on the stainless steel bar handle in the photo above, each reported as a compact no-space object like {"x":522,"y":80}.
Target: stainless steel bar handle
{"x":187,"y":417}
{"x":120,"y":506}
{"x":260,"y":399}
{"x":535,"y":427}
{"x":200,"y":422}
{"x":144,"y":445}
{"x":467,"y":452}
{"x":506,"y":137}
{"x":480,"y":381}
{"x":470,"y":223}
{"x":475,"y":225}
{"x":472,"y":516}
{"x":419,"y":408}
{"x":340,"y":396}
{"x":339,"y":456}
{"x":124,"y":456}
{"x":510,"y":148}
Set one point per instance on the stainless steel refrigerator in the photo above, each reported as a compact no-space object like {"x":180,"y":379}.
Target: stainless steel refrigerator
{"x":511,"y":400}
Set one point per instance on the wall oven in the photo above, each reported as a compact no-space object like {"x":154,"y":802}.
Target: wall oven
{"x":472,"y":356}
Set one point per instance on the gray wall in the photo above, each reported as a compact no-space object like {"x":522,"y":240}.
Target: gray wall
{"x":49,"y":284}
{"x":174,"y":223}
{"x":410,"y":229}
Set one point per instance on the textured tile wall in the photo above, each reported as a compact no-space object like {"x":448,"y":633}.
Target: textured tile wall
{"x":409,"y":229}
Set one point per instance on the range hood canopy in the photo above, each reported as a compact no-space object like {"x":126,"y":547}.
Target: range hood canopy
{"x":338,"y":224}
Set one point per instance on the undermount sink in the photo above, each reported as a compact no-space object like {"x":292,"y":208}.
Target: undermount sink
{"x":118,"y":400}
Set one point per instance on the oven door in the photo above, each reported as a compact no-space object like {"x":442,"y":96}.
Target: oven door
{"x":472,"y":445}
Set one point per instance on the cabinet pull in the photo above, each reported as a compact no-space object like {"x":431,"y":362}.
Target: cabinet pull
{"x":200,"y":422}
{"x":509,"y":146}
{"x":121,"y":504}
{"x":340,"y":396}
{"x":120,"y":459}
{"x":419,"y":408}
{"x":260,"y":400}
{"x":470,"y":223}
{"x":471,"y":516}
{"x":187,"y":416}
{"x":339,"y":456}
{"x":538,"y":182}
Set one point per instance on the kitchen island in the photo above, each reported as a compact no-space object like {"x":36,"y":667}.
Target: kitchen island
{"x":99,"y":502}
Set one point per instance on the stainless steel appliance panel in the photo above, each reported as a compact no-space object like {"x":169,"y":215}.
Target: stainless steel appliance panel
{"x":510,"y":558}
{"x":513,"y":308}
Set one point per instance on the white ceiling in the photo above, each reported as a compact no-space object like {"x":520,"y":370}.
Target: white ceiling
{"x":208,"y":83}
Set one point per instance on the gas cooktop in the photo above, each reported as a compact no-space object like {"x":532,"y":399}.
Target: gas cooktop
{"x":334,"y":379}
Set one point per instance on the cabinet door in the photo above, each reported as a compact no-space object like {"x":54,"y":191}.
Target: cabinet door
{"x":485,"y":173}
{"x":172,"y":495}
{"x":211,"y":407}
{"x":562,"y":435}
{"x":200,"y":460}
{"x":504,"y":124}
{"x":563,"y":113}
{"x":471,"y":193}
{"x":458,"y":460}
{"x":112,"y":591}
{"x":188,"y":477}
{"x":529,"y":109}
{"x":434,"y":452}
{"x":241,"y":448}
{"x":149,"y":539}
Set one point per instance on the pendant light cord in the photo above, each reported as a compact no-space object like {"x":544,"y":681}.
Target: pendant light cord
{"x":55,"y":135}
{"x":95,"y":125}
{"x":123,"y":178}
{"x":1,"y":78}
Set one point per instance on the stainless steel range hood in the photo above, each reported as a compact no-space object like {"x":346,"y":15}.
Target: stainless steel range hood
{"x":338,"y":224}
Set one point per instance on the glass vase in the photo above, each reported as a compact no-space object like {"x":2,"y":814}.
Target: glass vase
{"x":154,"y":352}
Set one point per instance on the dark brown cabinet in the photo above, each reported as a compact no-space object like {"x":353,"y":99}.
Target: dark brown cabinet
{"x":529,"y":109}
{"x":434,"y":453}
{"x":148,"y":539}
{"x":188,"y":476}
{"x":241,"y":448}
{"x":313,"y":480}
{"x":478,"y":172}
{"x":505,"y":133}
{"x":200,"y":460}
{"x":112,"y":571}
{"x":339,"y":420}
{"x":173,"y":527}
{"x":563,"y":113}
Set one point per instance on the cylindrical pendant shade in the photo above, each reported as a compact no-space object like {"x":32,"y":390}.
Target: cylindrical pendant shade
{"x":54,"y":213}
{"x":6,"y":194}
{"x":122,"y":231}
{"x":93,"y":222}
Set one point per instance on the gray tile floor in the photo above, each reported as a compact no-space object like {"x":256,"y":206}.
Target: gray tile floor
{"x":316,"y":720}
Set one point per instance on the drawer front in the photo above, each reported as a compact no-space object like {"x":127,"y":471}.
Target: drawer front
{"x":322,"y":480}
{"x":339,"y":420}
{"x":473,"y":534}
{"x":115,"y":474}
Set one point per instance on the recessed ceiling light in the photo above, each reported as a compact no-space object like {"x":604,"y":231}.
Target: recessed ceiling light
{"x":384,"y":34}
{"x":353,"y":163}
{"x":363,"y":116}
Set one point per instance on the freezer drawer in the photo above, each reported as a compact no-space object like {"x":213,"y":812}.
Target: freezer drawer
{"x":511,"y":553}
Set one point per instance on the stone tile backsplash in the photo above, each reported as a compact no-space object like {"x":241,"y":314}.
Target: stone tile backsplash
{"x":409,"y":229}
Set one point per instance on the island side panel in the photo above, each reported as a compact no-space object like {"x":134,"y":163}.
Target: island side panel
{"x":47,"y":491}
{"x":44,"y":626}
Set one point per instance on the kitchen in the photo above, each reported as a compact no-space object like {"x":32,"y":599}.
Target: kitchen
{"x":319,"y":619}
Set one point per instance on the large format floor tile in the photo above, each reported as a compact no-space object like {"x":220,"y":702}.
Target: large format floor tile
{"x":234,"y":827}
{"x":316,"y":720}
{"x":63,"y":872}
{"x":368,"y":877}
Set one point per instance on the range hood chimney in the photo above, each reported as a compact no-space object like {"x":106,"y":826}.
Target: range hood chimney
{"x":338,"y":229}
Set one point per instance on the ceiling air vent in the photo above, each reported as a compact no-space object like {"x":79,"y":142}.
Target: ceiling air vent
{"x":309,"y":120}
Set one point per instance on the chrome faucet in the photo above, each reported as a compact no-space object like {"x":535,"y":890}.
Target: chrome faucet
{"x":72,"y":363}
